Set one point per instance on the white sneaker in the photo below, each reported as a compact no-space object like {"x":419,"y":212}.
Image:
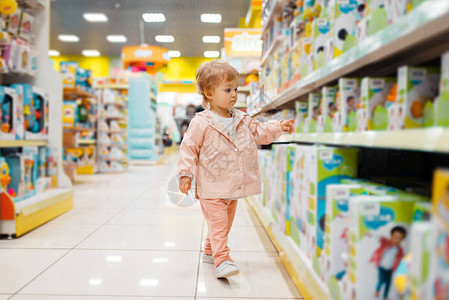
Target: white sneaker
{"x":207,"y":258}
{"x":226,"y":269}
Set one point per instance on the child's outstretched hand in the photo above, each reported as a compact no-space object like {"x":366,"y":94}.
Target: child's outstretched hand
{"x":288,"y":125}
{"x":185,"y":184}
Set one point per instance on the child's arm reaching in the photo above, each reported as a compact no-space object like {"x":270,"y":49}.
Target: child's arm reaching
{"x":268,"y":132}
{"x":189,"y":154}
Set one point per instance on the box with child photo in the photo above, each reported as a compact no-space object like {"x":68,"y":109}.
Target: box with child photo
{"x":379,"y":237}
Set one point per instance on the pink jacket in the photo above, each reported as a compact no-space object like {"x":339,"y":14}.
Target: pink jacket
{"x":223,"y":168}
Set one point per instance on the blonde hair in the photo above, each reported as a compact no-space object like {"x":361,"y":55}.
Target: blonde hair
{"x":210,"y":74}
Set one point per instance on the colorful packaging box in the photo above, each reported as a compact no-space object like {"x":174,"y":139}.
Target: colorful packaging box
{"x":31,"y":159}
{"x":313,"y":112}
{"x":377,"y":14}
{"x":417,"y":89}
{"x":348,"y":98}
{"x":16,"y":166}
{"x":442,"y":103}
{"x":374,"y":96}
{"x":68,"y":72}
{"x":279,"y":202}
{"x":301,"y":114}
{"x":328,"y":109}
{"x":422,"y":211}
{"x":395,"y":9}
{"x":52,"y":165}
{"x":327,"y":166}
{"x":440,"y":195}
{"x":36,"y":114}
{"x":333,"y":266}
{"x":422,"y":239}
{"x":379,"y":239}
{"x":11,"y":115}
{"x":344,"y":18}
{"x":320,"y":35}
{"x":439,"y":270}
{"x":306,"y":52}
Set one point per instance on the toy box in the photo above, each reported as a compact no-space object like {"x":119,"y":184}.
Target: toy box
{"x":377,"y":14}
{"x":442,"y":103}
{"x":30,"y":155}
{"x":42,"y":162}
{"x":422,"y":211}
{"x":440,"y":195}
{"x":327,"y":110}
{"x":36,"y":115}
{"x":374,"y":95}
{"x":15,"y":163}
{"x":68,"y":70}
{"x":344,"y":17}
{"x":13,"y":22}
{"x":306,"y":52}
{"x":348,"y":99}
{"x":328,"y":166}
{"x":69,"y":114}
{"x":417,"y":89}
{"x":26,"y":25}
{"x":52,"y":165}
{"x":333,"y":266}
{"x":439,"y":269}
{"x":421,"y":247}
{"x":9,"y":53}
{"x":301,"y":114}
{"x":313,"y":107}
{"x":379,"y":238}
{"x":23,"y":91}
{"x":320,"y":34}
{"x":270,"y":179}
{"x":395,"y":9}
{"x":11,"y":115}
{"x":279,"y":194}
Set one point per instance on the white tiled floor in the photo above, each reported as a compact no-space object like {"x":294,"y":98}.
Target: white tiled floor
{"x":125,"y":240}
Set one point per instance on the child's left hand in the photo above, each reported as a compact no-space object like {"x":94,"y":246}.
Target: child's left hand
{"x":288,"y":125}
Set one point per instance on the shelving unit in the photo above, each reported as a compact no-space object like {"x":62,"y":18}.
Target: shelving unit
{"x":413,"y":39}
{"x":18,"y":218}
{"x":419,"y":37}
{"x":113,"y":97}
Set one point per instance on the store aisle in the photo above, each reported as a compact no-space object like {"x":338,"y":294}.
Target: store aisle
{"x":125,"y":240}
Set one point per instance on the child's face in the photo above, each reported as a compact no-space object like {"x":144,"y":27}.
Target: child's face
{"x":224,"y":96}
{"x":351,"y":102}
{"x":396,"y":238}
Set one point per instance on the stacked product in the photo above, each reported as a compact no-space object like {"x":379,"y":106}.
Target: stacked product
{"x":417,"y":98}
{"x":305,"y":35}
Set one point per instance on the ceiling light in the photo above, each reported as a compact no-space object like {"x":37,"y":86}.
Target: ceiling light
{"x":53,"y":53}
{"x":153,"y":17}
{"x":211,"y":54}
{"x":68,"y":38}
{"x":165,"y":38}
{"x":211,"y":39}
{"x":116,"y":38}
{"x":174,"y":53}
{"x":91,"y":53}
{"x":211,"y":18}
{"x":95,"y":17}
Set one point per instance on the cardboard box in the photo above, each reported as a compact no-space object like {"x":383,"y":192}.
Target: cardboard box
{"x":301,"y":114}
{"x":379,"y":239}
{"x":279,"y":194}
{"x":377,"y":14}
{"x":11,"y":115}
{"x":313,"y":112}
{"x":345,"y":118}
{"x":333,"y":265}
{"x":442,"y":102}
{"x":328,"y":109}
{"x":439,"y":261}
{"x":422,"y":239}
{"x":374,"y":97}
{"x":320,"y":35}
{"x":440,"y":195}
{"x":417,"y":89}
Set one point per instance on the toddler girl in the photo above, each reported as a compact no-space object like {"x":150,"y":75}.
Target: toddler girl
{"x":219,"y":149}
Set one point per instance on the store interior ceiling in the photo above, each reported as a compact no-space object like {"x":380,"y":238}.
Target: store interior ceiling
{"x":124,"y":17}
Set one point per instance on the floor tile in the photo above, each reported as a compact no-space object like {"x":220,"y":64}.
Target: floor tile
{"x":162,"y":217}
{"x":144,"y":237}
{"x":79,"y":215}
{"x":5,"y":297}
{"x":246,"y":298}
{"x":245,"y":216}
{"x":261,"y":276}
{"x":20,"y":266}
{"x":62,"y":236}
{"x":121,"y":273}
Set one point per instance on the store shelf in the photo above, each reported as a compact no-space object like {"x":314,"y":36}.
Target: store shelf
{"x":114,"y":117}
{"x":427,"y":139}
{"x":114,"y":131}
{"x":112,"y":159}
{"x":274,"y":45}
{"x":122,"y":105}
{"x":415,"y":38}
{"x":277,"y":5}
{"x":80,"y":129}
{"x":21,"y":143}
{"x":299,"y":268}
{"x":23,"y":216}
{"x":74,"y":94}
{"x":112,"y":86}
{"x":87,"y":142}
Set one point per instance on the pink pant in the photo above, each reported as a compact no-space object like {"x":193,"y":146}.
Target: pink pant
{"x":219,"y":215}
